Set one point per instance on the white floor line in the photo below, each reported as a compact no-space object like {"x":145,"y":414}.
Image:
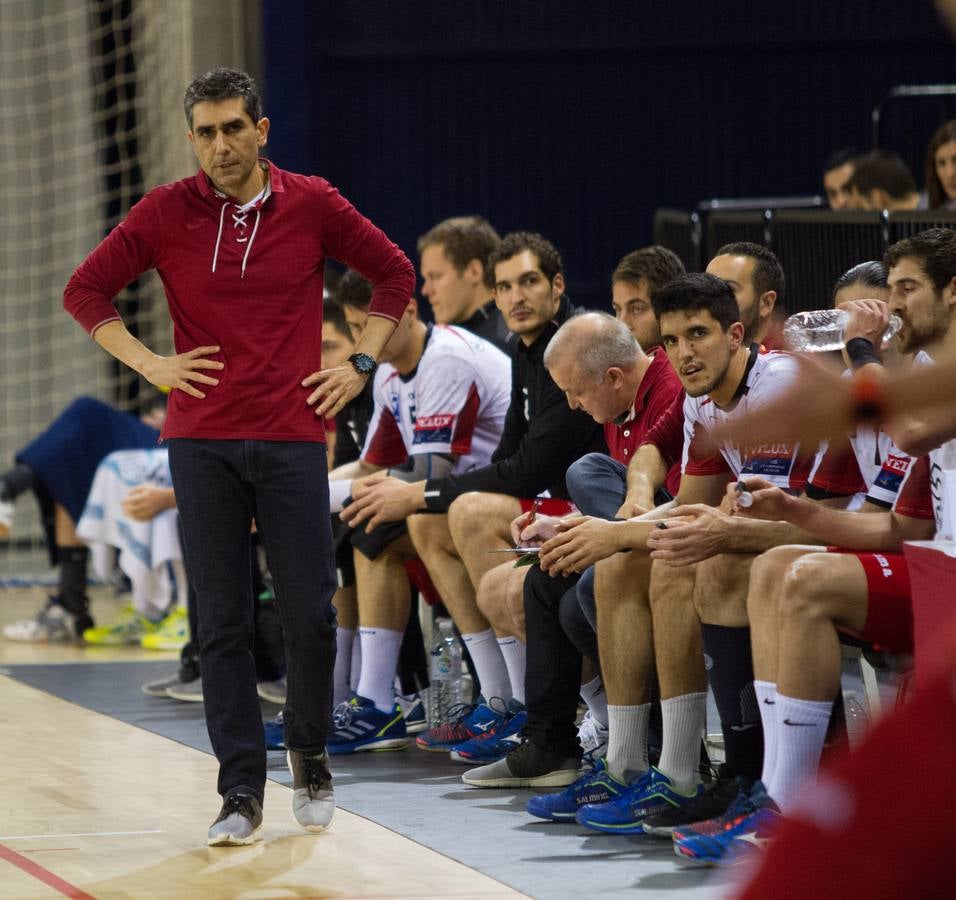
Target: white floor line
{"x":54,"y":834}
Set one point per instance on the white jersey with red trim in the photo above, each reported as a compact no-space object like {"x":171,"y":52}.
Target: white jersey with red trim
{"x":454,"y":402}
{"x":769,"y":376}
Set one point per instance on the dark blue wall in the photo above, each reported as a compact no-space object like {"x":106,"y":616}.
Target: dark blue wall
{"x":578,"y":119}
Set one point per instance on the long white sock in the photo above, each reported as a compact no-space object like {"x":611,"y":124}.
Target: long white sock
{"x":767,"y":701}
{"x":355,"y":673}
{"x":627,"y":740}
{"x":344,"y":638}
{"x":801,"y":731}
{"x":683,"y":718}
{"x":489,"y":664}
{"x":592,"y":693}
{"x":515,"y":655}
{"x":380,"y":648}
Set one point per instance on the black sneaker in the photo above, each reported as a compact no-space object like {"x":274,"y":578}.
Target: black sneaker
{"x":313,"y":803}
{"x":529,"y":766}
{"x":239,"y":822}
{"x":709,"y":805}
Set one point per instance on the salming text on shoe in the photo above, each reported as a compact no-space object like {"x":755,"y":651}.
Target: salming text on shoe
{"x":470,"y":722}
{"x":239,"y":822}
{"x":650,"y":795}
{"x":592,"y":736}
{"x":359,"y":725}
{"x":130,"y":627}
{"x":188,"y":691}
{"x":171,"y":634}
{"x":497,"y":742}
{"x":527,"y":766}
{"x":596,"y":786}
{"x":742,"y":832}
{"x":313,"y":803}
{"x":712,"y":803}
{"x":52,"y":624}
{"x":275,"y":733}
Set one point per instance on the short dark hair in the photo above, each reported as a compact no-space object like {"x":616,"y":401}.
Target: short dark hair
{"x":223,"y":84}
{"x":463,"y":238}
{"x":334,"y":314}
{"x":656,"y":265}
{"x":697,"y":291}
{"x":871,"y":273}
{"x":936,"y":195}
{"x":353,"y":290}
{"x":882,"y":170}
{"x":517,"y":242}
{"x":935,"y":248}
{"x":840,"y":158}
{"x":768,"y":273}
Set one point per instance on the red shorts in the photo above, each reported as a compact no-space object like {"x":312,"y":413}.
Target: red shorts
{"x":889,"y":608}
{"x":548,"y":506}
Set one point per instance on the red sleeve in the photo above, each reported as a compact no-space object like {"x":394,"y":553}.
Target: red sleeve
{"x":387,"y":446}
{"x":915,"y":499}
{"x":667,"y":391}
{"x":668,"y":431}
{"x":352,"y":239}
{"x":838,"y":471}
{"x":130,"y":249}
{"x":702,"y":456}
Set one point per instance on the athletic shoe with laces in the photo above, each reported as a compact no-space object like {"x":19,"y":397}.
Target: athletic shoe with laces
{"x":712,"y":803}
{"x":275,"y":733}
{"x":160,"y":687}
{"x":187,"y":691}
{"x":413,"y":710}
{"x":129,"y":627}
{"x":527,"y":766}
{"x":649,"y":795}
{"x":741,"y":833}
{"x":359,"y":725}
{"x":273,"y":691}
{"x":171,"y":634}
{"x":497,"y":742}
{"x":52,"y":624}
{"x":467,"y":721}
{"x":592,"y":736}
{"x":313,"y":803}
{"x":6,"y":518}
{"x":596,"y":786}
{"x":239,"y":822}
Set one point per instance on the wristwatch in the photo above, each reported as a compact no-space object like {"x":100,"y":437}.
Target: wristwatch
{"x":363,"y":363}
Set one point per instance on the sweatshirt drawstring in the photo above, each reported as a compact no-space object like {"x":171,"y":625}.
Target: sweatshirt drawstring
{"x":239,"y":221}
{"x":252,"y":238}
{"x":222,"y":218}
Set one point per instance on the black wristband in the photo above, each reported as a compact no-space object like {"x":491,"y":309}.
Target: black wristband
{"x":861,"y":353}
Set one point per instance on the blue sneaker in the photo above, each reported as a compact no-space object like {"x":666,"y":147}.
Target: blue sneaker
{"x":275,"y":739}
{"x":497,"y":742}
{"x":358,"y":725}
{"x":596,"y":786}
{"x":471,"y":721}
{"x":413,"y":710}
{"x":733,"y":838}
{"x":651,"y":794}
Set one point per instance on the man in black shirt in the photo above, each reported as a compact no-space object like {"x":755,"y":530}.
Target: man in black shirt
{"x":472,"y":511}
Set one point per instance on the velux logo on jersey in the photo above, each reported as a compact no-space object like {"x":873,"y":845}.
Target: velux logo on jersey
{"x":434,"y":429}
{"x":892,"y":473}
{"x":768,"y":460}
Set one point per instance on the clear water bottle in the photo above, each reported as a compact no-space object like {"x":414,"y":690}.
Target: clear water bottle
{"x":822,"y":329}
{"x":445,"y":673}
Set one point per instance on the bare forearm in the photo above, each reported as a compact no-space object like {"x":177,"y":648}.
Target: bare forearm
{"x":875,"y":531}
{"x":377,"y":331}
{"x":116,"y":340}
{"x":757,"y":536}
{"x":355,"y":469}
{"x":646,"y":474}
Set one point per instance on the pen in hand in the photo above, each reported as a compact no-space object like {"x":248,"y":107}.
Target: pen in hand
{"x":744,"y":498}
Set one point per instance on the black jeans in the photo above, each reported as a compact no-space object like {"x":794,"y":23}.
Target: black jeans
{"x":221,"y":486}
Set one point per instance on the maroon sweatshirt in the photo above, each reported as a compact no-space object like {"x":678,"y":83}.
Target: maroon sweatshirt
{"x":249,"y":283}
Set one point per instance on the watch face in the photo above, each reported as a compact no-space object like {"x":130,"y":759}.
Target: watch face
{"x":363,"y":363}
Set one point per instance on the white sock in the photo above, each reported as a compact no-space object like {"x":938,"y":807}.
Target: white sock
{"x":489,"y":664}
{"x":593,"y":694}
{"x":344,"y":638}
{"x":684,"y":718}
{"x":355,"y":673}
{"x":767,"y":701}
{"x":515,"y":655}
{"x":379,"y":660}
{"x":627,"y":740}
{"x":801,"y":731}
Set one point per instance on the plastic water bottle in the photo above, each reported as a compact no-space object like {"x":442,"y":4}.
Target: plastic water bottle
{"x":822,"y":329}
{"x":445,"y":673}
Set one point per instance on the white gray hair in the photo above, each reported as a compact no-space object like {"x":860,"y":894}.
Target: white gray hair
{"x":597,"y":341}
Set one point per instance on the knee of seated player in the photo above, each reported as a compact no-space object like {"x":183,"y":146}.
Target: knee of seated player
{"x":720,"y":589}
{"x":428,"y":530}
{"x":479,"y":512}
{"x":583,"y":471}
{"x":621,"y":578}
{"x":767,"y":576}
{"x":811,"y":588}
{"x":671,"y":585}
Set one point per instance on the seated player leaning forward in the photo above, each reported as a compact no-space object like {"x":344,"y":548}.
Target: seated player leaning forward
{"x":541,"y":437}
{"x":440,"y":399}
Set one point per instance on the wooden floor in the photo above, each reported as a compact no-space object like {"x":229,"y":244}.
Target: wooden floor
{"x":93,"y":807}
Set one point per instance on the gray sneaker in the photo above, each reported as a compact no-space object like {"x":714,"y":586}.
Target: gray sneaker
{"x":190,"y":691}
{"x":273,"y":691}
{"x":313,"y":804}
{"x":527,"y":766}
{"x":160,"y":687}
{"x":51,"y":624}
{"x":239,"y":822}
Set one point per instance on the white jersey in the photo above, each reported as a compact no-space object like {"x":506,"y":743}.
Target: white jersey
{"x":454,"y":402}
{"x":769,"y":375}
